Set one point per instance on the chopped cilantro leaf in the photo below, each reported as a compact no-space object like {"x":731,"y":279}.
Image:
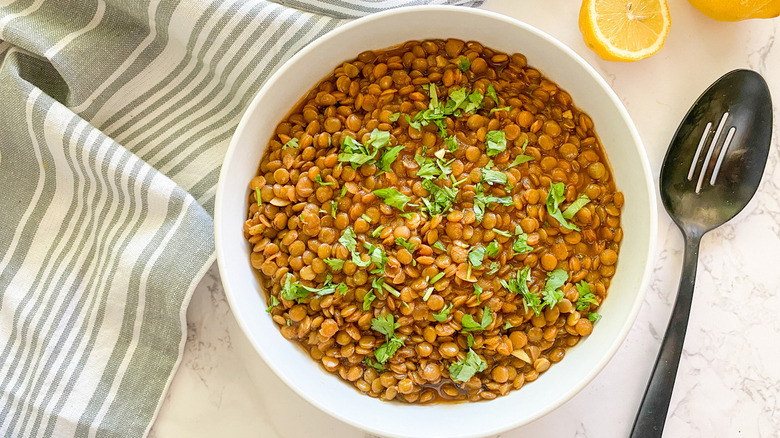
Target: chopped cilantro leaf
{"x":318,"y":180}
{"x":377,"y":231}
{"x":385,"y":325}
{"x":464,"y":64}
{"x":469,"y":324}
{"x":496,"y":143}
{"x":379,"y":138}
{"x":520,"y":159}
{"x":349,"y":239}
{"x":439,"y":245}
{"x":521,"y":244}
{"x":503,"y":108}
{"x":575,"y":206}
{"x":394,"y":117}
{"x":378,"y":256}
{"x":594,"y":317}
{"x":393,"y":198}
{"x":291,"y":143}
{"x":442,"y":315}
{"x":464,"y":370}
{"x":441,"y":197}
{"x":491,"y":93}
{"x":501,"y":232}
{"x":552,"y":288}
{"x":451,"y":142}
{"x":368,"y":298}
{"x":403,"y":242}
{"x":586,"y":297}
{"x":335,"y":264}
{"x":388,"y":349}
{"x":482,"y":201}
{"x":494,"y":177}
{"x":292,"y":290}
{"x":273,"y":303}
{"x":492,"y":249}
{"x":375,"y":365}
{"x":507,"y":325}
{"x":355,"y":153}
{"x":519,"y":285}
{"x":477,"y":292}
{"x":494,"y":267}
{"x":388,"y":157}
{"x":554,"y":199}
{"x":476,"y":256}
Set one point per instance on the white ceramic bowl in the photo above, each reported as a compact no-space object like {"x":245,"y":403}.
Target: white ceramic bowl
{"x":632,"y":174}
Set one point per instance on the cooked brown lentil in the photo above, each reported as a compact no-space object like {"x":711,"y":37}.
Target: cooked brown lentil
{"x":306,"y":199}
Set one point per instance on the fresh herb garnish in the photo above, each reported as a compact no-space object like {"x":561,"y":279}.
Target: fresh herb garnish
{"x":464,"y":64}
{"x":502,"y":232}
{"x":377,"y":231}
{"x":403,"y":242}
{"x":575,"y":206}
{"x":476,"y":255}
{"x":507,"y":325}
{"x":355,"y":153}
{"x":394,"y":117}
{"x":464,"y":370}
{"x":388,"y":157}
{"x":554,"y":198}
{"x":492,"y":249}
{"x":442,"y":315}
{"x":477,"y":292}
{"x":494,"y":177}
{"x":441,"y":197}
{"x":519,"y":285}
{"x":520,"y":159}
{"x":503,"y":108}
{"x":494,"y":267}
{"x":349,"y":239}
{"x":292,"y":290}
{"x":482,"y":201}
{"x":440,"y":246}
{"x":469,"y":324}
{"x":335,"y":264}
{"x":594,"y":317}
{"x":368,"y":298}
{"x":552,"y":288}
{"x":521,"y":242}
{"x":491,"y":93}
{"x":393,"y":198}
{"x":318,"y":180}
{"x":274,"y":302}
{"x":496,"y":142}
{"x":377,"y":255}
{"x":375,"y":365}
{"x":291,"y":143}
{"x":386,"y":325}
{"x":586,"y":297}
{"x":451,"y":142}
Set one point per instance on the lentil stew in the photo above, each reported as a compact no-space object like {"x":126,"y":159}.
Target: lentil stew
{"x":435,"y":221}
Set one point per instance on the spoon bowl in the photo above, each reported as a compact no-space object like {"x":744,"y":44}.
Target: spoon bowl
{"x":711,"y":171}
{"x":717,"y":156}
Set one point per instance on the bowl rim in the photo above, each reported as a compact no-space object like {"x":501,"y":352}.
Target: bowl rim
{"x":649,"y":186}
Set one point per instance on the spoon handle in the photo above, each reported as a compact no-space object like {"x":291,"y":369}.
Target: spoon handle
{"x":650,"y":419}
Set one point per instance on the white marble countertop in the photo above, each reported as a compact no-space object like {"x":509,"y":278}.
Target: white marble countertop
{"x":728,"y":383}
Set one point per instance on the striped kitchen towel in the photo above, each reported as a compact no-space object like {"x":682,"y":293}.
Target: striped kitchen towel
{"x":114,"y":118}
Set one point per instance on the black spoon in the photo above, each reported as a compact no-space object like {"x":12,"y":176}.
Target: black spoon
{"x":706,"y":180}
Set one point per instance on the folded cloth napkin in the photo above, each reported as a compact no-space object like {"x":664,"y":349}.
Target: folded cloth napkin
{"x":114,"y":118}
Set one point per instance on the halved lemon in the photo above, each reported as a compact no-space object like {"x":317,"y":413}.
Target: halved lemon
{"x":737,"y":10}
{"x":624,"y":30}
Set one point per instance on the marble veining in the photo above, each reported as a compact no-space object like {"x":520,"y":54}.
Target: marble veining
{"x":729,"y":379}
